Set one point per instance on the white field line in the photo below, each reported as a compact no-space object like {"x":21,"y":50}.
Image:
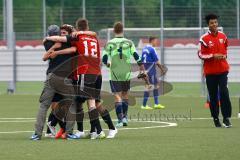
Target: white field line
{"x":165,"y":124}
{"x":33,"y":119}
{"x":21,"y":121}
{"x":15,"y":118}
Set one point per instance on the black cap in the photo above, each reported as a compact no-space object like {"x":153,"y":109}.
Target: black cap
{"x":53,"y":30}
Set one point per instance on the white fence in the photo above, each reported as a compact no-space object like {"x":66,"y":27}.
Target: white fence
{"x":183,"y":65}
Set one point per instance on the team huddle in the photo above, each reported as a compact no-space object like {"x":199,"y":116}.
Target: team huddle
{"x":74,"y":77}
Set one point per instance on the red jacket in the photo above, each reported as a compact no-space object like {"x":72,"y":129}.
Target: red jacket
{"x":211,"y":44}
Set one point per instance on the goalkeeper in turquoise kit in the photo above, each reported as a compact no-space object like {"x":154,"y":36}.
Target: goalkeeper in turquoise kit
{"x":116,"y":56}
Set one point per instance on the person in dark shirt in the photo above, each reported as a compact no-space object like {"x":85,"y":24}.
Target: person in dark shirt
{"x":60,"y":65}
{"x":54,"y":63}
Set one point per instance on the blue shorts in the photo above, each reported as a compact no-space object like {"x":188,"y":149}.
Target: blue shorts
{"x":153,"y":79}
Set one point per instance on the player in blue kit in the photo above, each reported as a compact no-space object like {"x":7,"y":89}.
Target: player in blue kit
{"x":150,"y":60}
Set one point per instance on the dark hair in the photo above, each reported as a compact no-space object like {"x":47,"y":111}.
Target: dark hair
{"x":82,"y":24}
{"x":210,"y":16}
{"x":152,"y":38}
{"x":67,"y":27}
{"x":118,"y":27}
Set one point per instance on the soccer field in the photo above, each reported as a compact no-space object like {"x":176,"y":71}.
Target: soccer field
{"x":172,"y":48}
{"x":151,"y":134}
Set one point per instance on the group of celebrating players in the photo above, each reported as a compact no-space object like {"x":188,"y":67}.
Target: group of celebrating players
{"x":74,"y":77}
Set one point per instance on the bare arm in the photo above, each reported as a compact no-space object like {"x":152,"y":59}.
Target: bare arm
{"x":55,"y":46}
{"x":161,"y":67}
{"x":46,"y":55}
{"x":62,"y":52}
{"x":57,"y":38}
{"x":90,"y":33}
{"x":66,"y":51}
{"x":74,"y":34}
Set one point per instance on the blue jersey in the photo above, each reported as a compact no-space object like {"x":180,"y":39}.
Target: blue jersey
{"x":149,"y":58}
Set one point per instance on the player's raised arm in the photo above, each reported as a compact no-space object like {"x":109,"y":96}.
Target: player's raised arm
{"x":57,"y":38}
{"x":90,"y":33}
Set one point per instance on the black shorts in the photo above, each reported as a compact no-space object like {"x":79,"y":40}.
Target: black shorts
{"x":120,"y":86}
{"x":57,"y":97}
{"x":91,"y":86}
{"x":80,"y":99}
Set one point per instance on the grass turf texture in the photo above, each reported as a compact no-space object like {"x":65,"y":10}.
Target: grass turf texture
{"x":191,"y":139}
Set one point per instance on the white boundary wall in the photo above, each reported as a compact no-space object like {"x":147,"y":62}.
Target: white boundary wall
{"x":183,"y":65}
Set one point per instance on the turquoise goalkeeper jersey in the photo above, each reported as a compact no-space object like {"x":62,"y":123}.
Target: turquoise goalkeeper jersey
{"x":119,"y":51}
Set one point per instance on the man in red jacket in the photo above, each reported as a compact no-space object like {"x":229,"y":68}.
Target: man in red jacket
{"x":213,"y":52}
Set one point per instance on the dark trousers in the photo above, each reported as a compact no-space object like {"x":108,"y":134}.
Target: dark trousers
{"x":215,"y":82}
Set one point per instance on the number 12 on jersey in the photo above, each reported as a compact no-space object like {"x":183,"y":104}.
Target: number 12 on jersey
{"x":90,"y":46}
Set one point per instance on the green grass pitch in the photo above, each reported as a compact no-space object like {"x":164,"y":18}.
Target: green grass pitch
{"x":194,"y":137}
